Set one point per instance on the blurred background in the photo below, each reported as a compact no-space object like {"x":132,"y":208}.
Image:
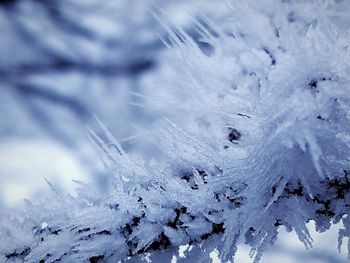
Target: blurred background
{"x":63,"y":61}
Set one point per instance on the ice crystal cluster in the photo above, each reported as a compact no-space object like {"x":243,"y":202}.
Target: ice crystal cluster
{"x":253,"y":126}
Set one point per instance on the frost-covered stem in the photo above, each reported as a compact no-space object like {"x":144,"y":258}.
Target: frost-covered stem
{"x":256,"y":136}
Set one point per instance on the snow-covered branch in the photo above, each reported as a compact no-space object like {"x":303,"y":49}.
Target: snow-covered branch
{"x":254,"y":136}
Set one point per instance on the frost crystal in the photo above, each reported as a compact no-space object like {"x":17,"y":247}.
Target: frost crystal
{"x":254,"y":134}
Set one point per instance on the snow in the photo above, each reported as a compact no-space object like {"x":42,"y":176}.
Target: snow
{"x":22,"y":169}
